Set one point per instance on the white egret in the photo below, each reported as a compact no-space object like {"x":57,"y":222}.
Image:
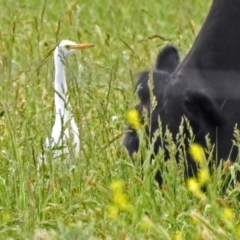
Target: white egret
{"x":64,"y":137}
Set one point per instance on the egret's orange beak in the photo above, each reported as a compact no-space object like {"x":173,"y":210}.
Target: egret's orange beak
{"x":81,"y":46}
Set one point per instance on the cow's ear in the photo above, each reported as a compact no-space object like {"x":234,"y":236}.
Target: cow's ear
{"x":199,"y":105}
{"x":167,"y":59}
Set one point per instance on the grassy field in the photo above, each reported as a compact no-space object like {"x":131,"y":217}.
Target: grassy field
{"x":105,"y":197}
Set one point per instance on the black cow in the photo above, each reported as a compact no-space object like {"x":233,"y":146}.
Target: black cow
{"x":166,"y":62}
{"x":205,"y":86}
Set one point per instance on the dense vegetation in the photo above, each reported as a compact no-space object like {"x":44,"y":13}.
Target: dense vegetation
{"x":105,"y":197}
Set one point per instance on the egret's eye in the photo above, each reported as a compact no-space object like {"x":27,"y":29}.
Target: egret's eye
{"x":67,"y":47}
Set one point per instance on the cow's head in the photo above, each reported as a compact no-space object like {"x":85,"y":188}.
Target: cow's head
{"x":166,"y":62}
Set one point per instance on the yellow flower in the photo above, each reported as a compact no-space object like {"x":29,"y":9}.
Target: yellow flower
{"x":194,"y":187}
{"x":203,"y":176}
{"x":117,"y":186}
{"x":178,"y":236}
{"x":197,"y":153}
{"x":228,"y":214}
{"x":120,"y":200}
{"x":113,"y":211}
{"x":134,"y":119}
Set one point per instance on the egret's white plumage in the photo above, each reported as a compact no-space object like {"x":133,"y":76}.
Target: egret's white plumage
{"x":64,"y":137}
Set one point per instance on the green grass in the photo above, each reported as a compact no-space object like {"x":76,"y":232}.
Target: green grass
{"x":60,"y":204}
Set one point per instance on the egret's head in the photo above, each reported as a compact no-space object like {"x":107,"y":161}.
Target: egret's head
{"x":66,"y":47}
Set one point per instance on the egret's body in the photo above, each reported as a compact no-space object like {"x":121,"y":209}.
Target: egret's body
{"x":64,"y":137}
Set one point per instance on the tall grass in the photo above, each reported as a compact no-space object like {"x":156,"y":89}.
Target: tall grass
{"x":62,"y":204}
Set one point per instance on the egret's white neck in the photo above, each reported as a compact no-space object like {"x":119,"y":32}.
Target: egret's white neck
{"x":60,"y":85}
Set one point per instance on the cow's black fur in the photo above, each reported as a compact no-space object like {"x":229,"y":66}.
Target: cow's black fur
{"x":166,"y":62}
{"x":204,"y":87}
